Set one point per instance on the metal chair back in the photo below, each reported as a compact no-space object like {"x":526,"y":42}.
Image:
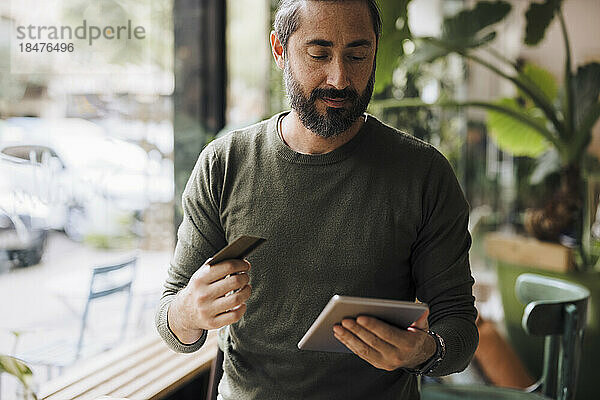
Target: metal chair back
{"x":556,"y":309}
{"x":105,"y":281}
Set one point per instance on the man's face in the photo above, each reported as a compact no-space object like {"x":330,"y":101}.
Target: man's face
{"x":330,"y":65}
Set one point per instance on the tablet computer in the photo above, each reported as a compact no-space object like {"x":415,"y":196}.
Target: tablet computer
{"x":319,"y":336}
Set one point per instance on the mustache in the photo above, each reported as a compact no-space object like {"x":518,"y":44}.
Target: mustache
{"x":346,"y":93}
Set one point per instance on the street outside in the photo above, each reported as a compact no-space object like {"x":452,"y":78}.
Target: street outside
{"x":44,"y":302}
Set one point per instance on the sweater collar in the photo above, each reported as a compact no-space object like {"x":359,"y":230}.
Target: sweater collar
{"x":334,"y":156}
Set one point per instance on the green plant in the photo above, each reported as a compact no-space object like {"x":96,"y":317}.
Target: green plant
{"x":441,"y":127}
{"x":549,"y":123}
{"x":19,"y":370}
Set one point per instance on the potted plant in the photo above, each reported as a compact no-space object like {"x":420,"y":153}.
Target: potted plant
{"x":548,"y":122}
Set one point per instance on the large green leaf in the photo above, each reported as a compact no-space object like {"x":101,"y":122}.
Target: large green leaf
{"x":390,"y":44}
{"x":586,"y":87}
{"x":512,"y":135}
{"x":466,"y":28}
{"x":542,"y":79}
{"x":427,"y":51}
{"x":538,"y":18}
{"x":589,"y":120}
{"x":430,"y":49}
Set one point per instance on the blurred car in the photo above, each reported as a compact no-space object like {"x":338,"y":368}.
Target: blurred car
{"x":80,"y":172}
{"x":23,"y":217}
{"x":22,"y":243}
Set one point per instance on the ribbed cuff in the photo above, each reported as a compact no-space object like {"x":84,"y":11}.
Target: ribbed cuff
{"x":461,"y":338}
{"x":162,"y":325}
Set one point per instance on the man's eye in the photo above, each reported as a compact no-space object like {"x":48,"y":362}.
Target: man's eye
{"x":318,"y":57}
{"x":357,"y":58}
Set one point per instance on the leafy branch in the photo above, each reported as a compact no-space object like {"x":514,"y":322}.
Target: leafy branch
{"x":497,"y":107}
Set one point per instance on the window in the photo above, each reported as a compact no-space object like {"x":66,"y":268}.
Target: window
{"x":86,"y":174}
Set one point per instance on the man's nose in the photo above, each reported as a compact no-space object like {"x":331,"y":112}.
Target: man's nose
{"x":337,"y":76}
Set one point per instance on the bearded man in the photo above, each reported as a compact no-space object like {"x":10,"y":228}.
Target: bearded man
{"x":348,"y":206}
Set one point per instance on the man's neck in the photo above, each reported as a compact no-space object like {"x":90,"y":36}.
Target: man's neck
{"x":305,"y":141}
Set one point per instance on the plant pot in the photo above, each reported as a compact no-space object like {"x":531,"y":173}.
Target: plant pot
{"x":508,"y":253}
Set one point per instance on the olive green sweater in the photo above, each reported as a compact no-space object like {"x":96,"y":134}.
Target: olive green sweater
{"x":382,"y":216}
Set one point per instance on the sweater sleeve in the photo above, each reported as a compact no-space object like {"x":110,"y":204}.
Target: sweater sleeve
{"x":200,"y":235}
{"x":440,"y":266}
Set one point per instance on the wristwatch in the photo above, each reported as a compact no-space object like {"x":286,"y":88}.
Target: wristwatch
{"x":435,"y":360}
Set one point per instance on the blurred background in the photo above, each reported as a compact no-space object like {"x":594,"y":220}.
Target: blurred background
{"x":96,"y":150}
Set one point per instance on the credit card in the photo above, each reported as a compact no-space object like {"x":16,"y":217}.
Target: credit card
{"x":238,"y":249}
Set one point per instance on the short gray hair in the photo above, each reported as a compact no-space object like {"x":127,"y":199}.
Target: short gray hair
{"x":286,"y":18}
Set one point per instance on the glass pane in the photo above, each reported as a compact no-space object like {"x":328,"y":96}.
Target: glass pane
{"x":86,"y":176}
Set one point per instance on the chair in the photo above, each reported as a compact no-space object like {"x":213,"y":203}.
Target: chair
{"x":105,"y":281}
{"x":216,"y":373}
{"x":555,"y":309}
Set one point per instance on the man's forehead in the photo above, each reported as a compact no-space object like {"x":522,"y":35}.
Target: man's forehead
{"x":322,"y":22}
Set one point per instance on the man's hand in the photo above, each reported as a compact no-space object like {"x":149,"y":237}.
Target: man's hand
{"x":202,"y":304}
{"x":385,"y":346}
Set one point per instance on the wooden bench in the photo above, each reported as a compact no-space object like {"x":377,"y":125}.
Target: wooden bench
{"x":146,"y":370}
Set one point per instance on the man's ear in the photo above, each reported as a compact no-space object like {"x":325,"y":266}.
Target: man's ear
{"x":277,"y":50}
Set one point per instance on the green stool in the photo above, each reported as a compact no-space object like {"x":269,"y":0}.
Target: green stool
{"x":556,"y":309}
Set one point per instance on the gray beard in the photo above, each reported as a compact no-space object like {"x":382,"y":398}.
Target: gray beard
{"x":336,"y":120}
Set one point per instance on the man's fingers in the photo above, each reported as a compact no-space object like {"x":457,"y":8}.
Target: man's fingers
{"x":233,"y":300}
{"x":226,"y":285}
{"x":386,"y":332}
{"x":229,"y":317}
{"x":219,"y":271}
{"x":368,"y":337}
{"x":356,"y":345}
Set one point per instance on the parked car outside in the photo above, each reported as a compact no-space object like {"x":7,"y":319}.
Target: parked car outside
{"x":23,"y":217}
{"x":22,"y":243}
{"x":85,"y":177}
